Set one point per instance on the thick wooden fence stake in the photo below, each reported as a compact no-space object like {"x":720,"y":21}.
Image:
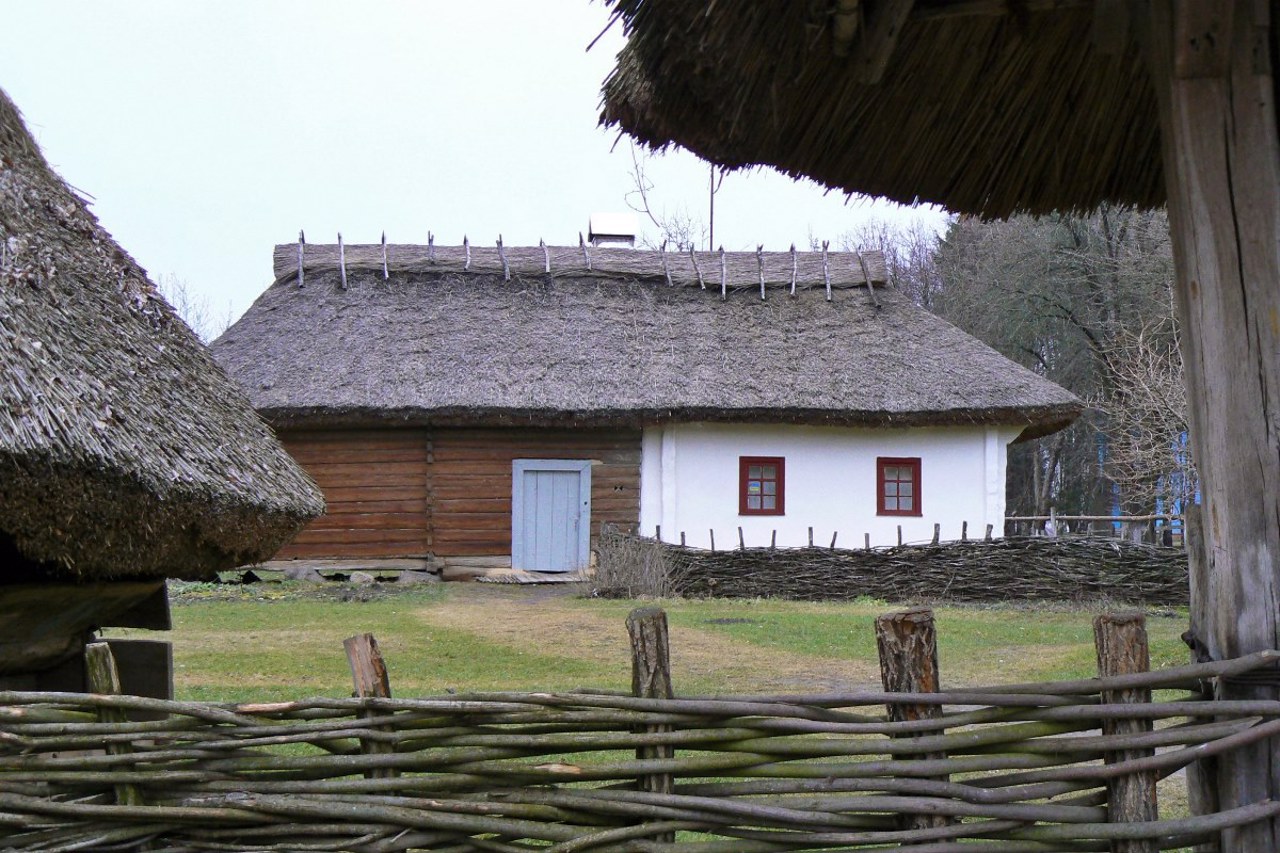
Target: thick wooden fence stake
{"x":102,"y":677}
{"x":651,"y":679}
{"x":1121,"y":641}
{"x":908,"y":646}
{"x":1202,"y":775}
{"x":369,"y":675}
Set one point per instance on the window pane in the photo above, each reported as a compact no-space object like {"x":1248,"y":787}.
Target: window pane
{"x":890,"y":503}
{"x":753,"y":503}
{"x":753,"y":471}
{"x":770,"y":472}
{"x":904,"y":488}
{"x":753,"y":487}
{"x":770,"y":487}
{"x":891,"y":472}
{"x":770,"y":502}
{"x":904,"y":504}
{"x":891,"y":489}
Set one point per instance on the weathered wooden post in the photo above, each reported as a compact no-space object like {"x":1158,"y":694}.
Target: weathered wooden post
{"x":1121,"y":643}
{"x":1210,"y":63}
{"x":370,"y":678}
{"x":908,"y":647}
{"x":102,"y":677}
{"x":651,"y":679}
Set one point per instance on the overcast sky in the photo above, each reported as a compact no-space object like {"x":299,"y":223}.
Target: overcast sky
{"x":206,"y":132}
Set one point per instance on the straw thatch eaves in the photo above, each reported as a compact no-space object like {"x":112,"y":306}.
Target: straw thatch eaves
{"x":124,"y":449}
{"x":434,"y":344}
{"x":824,"y":90}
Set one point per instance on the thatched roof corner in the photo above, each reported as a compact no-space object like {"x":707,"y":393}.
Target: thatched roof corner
{"x":983,"y":107}
{"x":124,"y":449}
{"x":636,"y":339}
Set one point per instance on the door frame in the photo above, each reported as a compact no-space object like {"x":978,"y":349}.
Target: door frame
{"x":519,"y":467}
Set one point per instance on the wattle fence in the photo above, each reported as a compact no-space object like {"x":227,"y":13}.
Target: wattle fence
{"x":1053,"y":766}
{"x":1025,"y":568}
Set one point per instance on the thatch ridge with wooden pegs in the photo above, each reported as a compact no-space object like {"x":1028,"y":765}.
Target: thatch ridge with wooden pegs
{"x":603,"y":340}
{"x":124,"y":449}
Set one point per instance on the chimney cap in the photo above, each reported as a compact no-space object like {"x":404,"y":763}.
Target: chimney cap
{"x":612,"y":228}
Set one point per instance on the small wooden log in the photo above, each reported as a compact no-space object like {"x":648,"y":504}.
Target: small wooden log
{"x":988,"y":536}
{"x":742,"y":542}
{"x":833,"y":539}
{"x":937,"y":533}
{"x":712,"y":531}
{"x":651,"y":679}
{"x":370,"y":678}
{"x":908,"y":647}
{"x":102,"y":677}
{"x":1121,"y":642}
{"x":964,"y":531}
{"x":866,"y":541}
{"x":773,"y":540}
{"x":899,"y":535}
{"x":810,"y":537}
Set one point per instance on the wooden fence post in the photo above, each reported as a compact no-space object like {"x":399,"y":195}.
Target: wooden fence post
{"x":908,"y":646}
{"x":651,"y":679}
{"x":1202,"y":775}
{"x":1121,"y":641}
{"x":102,"y":677}
{"x":369,"y":675}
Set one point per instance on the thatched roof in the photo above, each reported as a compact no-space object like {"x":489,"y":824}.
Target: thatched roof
{"x":446,"y":341}
{"x":983,"y":106}
{"x":124,"y":449}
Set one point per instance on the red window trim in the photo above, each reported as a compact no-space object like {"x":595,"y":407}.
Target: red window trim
{"x":744,"y":462}
{"x":912,"y":462}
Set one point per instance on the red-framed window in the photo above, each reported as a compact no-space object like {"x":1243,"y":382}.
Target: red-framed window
{"x":761,"y":485}
{"x":898,"y":485}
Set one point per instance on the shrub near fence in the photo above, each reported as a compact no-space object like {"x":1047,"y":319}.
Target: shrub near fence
{"x":1053,"y":766}
{"x":1011,"y":569}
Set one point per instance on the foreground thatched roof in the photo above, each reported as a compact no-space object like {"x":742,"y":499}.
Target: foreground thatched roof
{"x":440,"y":339}
{"x":982,"y":106}
{"x":124,"y":449}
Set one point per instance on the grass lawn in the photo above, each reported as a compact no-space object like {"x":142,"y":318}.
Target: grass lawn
{"x":284,"y":640}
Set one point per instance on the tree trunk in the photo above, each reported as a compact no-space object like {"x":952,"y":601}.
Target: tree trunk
{"x":1211,"y":67}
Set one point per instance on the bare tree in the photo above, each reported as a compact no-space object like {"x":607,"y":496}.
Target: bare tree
{"x":678,"y":230}
{"x":195,"y":309}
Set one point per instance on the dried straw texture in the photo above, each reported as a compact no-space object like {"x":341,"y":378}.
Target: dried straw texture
{"x":616,"y":345}
{"x":1010,"y":569}
{"x":1020,"y":767}
{"x":124,"y":449}
{"x":1011,"y":109}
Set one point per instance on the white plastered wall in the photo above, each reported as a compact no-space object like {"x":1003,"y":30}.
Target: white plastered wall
{"x":689,"y":482}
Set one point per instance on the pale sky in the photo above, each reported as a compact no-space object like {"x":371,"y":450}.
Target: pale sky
{"x":206,"y":132}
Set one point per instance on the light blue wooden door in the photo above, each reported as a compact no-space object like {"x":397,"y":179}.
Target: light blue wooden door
{"x":550,"y":514}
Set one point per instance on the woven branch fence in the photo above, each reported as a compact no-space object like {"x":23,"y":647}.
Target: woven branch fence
{"x":1011,"y":569}
{"x":1053,"y":766}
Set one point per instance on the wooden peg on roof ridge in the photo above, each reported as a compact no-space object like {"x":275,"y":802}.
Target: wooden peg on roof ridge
{"x":793,"y":273}
{"x":466,"y":248}
{"x":586,"y":255}
{"x":693,"y":257}
{"x":826,"y":269}
{"x":866,"y":276}
{"x":546,"y":256}
{"x":431,"y":248}
{"x":723,"y":276}
{"x":385,"y":274}
{"x":662,"y":252}
{"x":502,"y":256}
{"x":302,"y":251}
{"x":342,"y":260}
{"x":760,"y":267}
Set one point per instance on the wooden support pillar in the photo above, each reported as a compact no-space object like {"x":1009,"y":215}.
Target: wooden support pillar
{"x":1210,"y":64}
{"x":1121,"y":643}
{"x":651,"y":679}
{"x":370,"y":678}
{"x":102,"y":677}
{"x":908,"y":646}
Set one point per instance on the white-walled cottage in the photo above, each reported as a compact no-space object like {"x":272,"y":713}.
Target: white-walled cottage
{"x":500,"y":404}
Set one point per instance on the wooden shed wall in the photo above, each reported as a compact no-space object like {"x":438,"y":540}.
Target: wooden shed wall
{"x":375,"y":486}
{"x":410,"y":492}
{"x":471,"y":481}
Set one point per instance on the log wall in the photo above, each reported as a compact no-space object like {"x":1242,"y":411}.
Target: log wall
{"x":414,"y":492}
{"x":375,"y":486}
{"x":471,"y":482}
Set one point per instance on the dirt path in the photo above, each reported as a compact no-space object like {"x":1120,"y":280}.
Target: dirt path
{"x":542,"y":616}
